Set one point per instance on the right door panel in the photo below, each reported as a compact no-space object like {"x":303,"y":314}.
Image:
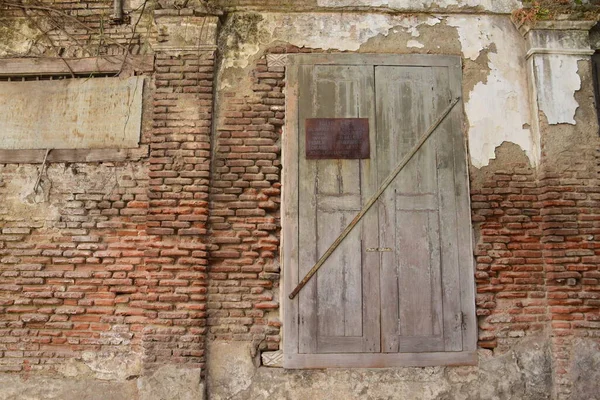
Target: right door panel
{"x":417,"y":213}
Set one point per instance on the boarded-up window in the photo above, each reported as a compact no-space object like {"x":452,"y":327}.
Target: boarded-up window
{"x":399,"y":289}
{"x":81,"y":113}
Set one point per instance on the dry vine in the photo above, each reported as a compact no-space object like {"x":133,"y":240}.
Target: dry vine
{"x":543,"y":10}
{"x":52,"y":22}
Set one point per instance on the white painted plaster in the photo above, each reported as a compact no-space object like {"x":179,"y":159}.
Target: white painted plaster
{"x":498,"y":109}
{"x":500,"y":6}
{"x":473,"y":33}
{"x":557,"y":81}
{"x":344,"y":32}
{"x":414,"y":43}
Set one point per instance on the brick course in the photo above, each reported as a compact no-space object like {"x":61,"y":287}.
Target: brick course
{"x":244,"y":213}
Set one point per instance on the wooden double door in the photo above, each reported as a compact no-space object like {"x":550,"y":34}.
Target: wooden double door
{"x":399,"y":288}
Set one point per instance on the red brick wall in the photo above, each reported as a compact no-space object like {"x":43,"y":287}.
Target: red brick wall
{"x":245,"y":211}
{"x":71,"y":284}
{"x":179,"y":169}
{"x":121,"y":267}
{"x":511,"y":299}
{"x":571,"y":250}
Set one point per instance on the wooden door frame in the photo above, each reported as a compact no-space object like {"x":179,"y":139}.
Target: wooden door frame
{"x":289,"y":246}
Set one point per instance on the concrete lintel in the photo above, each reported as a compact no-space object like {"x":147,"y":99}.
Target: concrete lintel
{"x":185,"y":49}
{"x":187,"y":33}
{"x":566,"y":52}
{"x":562,"y":25}
{"x":79,"y":66}
{"x":557,"y":37}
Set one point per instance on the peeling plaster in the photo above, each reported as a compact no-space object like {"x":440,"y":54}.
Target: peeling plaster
{"x":474,"y":34}
{"x":17,"y":37}
{"x":557,"y":81}
{"x":501,"y":6}
{"x":342,"y":32}
{"x":414,"y":43}
{"x":498,"y":109}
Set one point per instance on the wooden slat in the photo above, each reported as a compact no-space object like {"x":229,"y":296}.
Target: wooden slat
{"x":412,"y":239}
{"x":79,"y":66}
{"x":388,"y":140}
{"x":289,"y":218}
{"x":333,"y":202}
{"x":463,"y":214}
{"x":331,"y":283}
{"x":340,"y":344}
{"x":72,"y":155}
{"x":370,"y":223}
{"x":382,"y":360}
{"x":423,"y":60}
{"x":411,"y":275}
{"x":448,"y":223}
{"x":341,"y":305}
{"x":339,"y":309}
{"x":333,"y":334}
{"x":342,"y":92}
{"x":307,"y":205}
{"x":417,"y":202}
{"x":417,"y":239}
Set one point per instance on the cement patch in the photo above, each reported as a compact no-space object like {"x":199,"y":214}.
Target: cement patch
{"x":503,"y":6}
{"x":523,"y":373}
{"x":71,"y":113}
{"x":13,"y":387}
{"x":169,"y":382}
{"x":585,"y":370}
{"x":497,"y":106}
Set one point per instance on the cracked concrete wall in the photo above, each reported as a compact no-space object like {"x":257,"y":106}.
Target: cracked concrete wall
{"x":81,"y":380}
{"x":522,"y":373}
{"x":495,"y":75}
{"x":497,"y":111}
{"x":491,"y":6}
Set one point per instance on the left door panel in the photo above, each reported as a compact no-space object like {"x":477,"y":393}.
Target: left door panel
{"x":339,"y":307}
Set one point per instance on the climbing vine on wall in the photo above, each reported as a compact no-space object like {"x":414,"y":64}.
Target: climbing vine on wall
{"x":541,"y":10}
{"x":67,"y":30}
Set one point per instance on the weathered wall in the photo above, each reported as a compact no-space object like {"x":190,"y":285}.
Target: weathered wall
{"x":522,"y":373}
{"x":113,"y":275}
{"x":103,"y":268}
{"x":495,"y":79}
{"x":247,"y":156}
{"x":514,"y":213}
{"x":492,"y":6}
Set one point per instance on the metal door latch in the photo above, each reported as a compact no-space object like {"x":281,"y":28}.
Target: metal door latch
{"x":379,"y":249}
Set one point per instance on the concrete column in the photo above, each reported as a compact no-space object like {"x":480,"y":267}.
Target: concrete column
{"x":554,"y":51}
{"x":179,"y":172}
{"x":565,"y":124}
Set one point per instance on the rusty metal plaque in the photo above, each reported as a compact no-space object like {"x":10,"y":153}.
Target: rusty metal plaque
{"x":330,"y":138}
